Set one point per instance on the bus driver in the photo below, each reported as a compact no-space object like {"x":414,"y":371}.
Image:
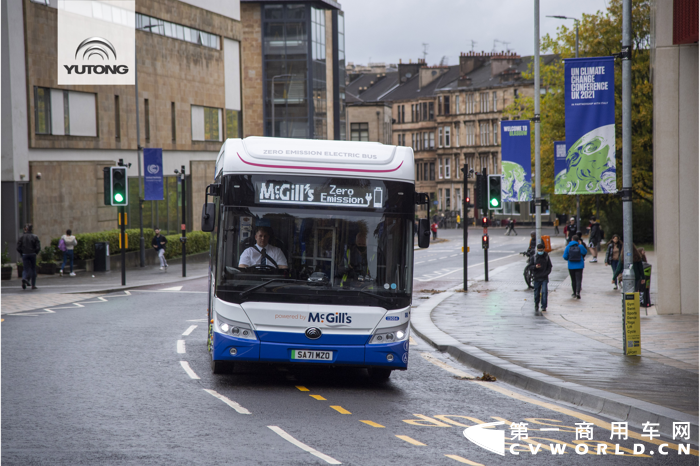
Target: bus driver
{"x":263,"y":253}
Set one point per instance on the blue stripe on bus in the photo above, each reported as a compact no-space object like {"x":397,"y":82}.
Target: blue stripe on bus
{"x":326,"y":339}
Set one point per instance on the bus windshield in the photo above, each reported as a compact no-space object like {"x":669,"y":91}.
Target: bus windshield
{"x":318,"y":256}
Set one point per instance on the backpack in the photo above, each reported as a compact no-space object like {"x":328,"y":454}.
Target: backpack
{"x":574,"y":253}
{"x":62,"y":245}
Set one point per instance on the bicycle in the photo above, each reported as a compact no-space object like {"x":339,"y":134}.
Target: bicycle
{"x":527,"y":273}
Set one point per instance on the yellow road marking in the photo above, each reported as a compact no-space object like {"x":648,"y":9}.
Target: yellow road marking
{"x":408,"y":439}
{"x":341,"y":410}
{"x":373,"y":424}
{"x":584,"y":417}
{"x":318,"y":397}
{"x":411,"y":341}
{"x":463,"y":460}
{"x":302,"y":389}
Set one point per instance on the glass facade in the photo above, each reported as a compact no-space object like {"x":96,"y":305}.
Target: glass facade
{"x":294,"y":66}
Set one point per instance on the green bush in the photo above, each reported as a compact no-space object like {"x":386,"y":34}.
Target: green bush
{"x":197,"y":241}
{"x":48,"y":254}
{"x":5,"y":255}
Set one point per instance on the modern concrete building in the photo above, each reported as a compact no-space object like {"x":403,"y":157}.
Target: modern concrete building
{"x":293,"y":69}
{"x":675,"y":79}
{"x":56,"y":139}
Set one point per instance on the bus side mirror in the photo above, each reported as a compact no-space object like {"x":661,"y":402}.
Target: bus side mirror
{"x":423,"y":233}
{"x":208,"y":216}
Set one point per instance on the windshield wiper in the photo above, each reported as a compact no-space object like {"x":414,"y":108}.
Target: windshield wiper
{"x":245,"y":293}
{"x":380,"y":298}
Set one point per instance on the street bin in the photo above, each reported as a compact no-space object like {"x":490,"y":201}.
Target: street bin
{"x":547,"y":243}
{"x":101,"y":262}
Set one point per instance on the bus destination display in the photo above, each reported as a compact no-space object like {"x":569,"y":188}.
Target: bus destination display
{"x":281,"y":192}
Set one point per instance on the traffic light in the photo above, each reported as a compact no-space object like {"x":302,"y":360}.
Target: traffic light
{"x":107,"y":185}
{"x":494,"y":192}
{"x":480,"y":187}
{"x":468,"y":201}
{"x":119,"y":186}
{"x":484,"y":222}
{"x":485,"y":242}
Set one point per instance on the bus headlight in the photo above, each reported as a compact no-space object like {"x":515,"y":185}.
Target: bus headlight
{"x":389,"y":335}
{"x":236,"y":329}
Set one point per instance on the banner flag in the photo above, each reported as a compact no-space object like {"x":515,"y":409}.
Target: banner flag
{"x":153,"y":176}
{"x":590,"y":127}
{"x":516,"y":161}
{"x":559,"y":165}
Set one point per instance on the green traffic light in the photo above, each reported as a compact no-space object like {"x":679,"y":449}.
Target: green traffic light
{"x":494,"y":202}
{"x":118,"y":197}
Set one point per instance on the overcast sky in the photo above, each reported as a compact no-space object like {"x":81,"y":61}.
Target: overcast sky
{"x":386,"y":30}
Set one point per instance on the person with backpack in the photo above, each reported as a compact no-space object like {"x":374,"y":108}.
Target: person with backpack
{"x":66,"y":244}
{"x":28,"y":247}
{"x":575,"y":254}
{"x":541,"y":267}
{"x":159,"y":243}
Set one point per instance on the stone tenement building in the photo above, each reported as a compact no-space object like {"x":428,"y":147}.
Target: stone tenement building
{"x":449,"y":115}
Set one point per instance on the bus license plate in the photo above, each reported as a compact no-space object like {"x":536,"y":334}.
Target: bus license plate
{"x":309,"y":355}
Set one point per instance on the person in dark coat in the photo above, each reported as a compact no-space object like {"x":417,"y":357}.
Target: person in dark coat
{"x":533,"y":241}
{"x":541,"y":267}
{"x":613,"y":255}
{"x":637,"y":268}
{"x":575,"y":254}
{"x":28,"y":247}
{"x":594,"y":237}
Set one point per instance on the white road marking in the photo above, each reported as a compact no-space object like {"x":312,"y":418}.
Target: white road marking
{"x":443,"y":257}
{"x":189,"y":330}
{"x":240,"y":409}
{"x":454,"y":255}
{"x":431,"y":260}
{"x":185,"y":365}
{"x":416,"y":263}
{"x":181,"y":346}
{"x":457,"y":270}
{"x":197,"y":320}
{"x":173,"y":288}
{"x":303,"y":446}
{"x":164,"y":291}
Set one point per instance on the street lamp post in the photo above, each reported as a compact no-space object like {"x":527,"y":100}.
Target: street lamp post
{"x":272,"y":98}
{"x":578,"y":197}
{"x":538,"y":184}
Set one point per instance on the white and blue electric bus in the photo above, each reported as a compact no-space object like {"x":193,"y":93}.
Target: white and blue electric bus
{"x":312,"y":253}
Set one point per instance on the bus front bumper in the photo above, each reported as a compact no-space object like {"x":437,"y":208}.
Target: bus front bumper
{"x":392,"y":355}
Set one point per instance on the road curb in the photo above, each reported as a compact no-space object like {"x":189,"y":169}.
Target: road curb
{"x":618,"y":407}
{"x":131,"y":287}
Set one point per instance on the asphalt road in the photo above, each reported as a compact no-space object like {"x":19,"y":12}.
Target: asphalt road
{"x":125,"y":379}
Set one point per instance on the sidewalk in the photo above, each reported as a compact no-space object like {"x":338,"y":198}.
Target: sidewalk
{"x":573,"y":352}
{"x":54,"y":289}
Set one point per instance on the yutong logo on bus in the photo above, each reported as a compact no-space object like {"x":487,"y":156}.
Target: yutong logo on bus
{"x":331,"y":318}
{"x":99,"y":47}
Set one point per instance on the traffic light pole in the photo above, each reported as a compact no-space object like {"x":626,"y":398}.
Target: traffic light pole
{"x":183,"y":239}
{"x":484,"y":223}
{"x":122,"y":240}
{"x":538,"y":189}
{"x":465,"y":223}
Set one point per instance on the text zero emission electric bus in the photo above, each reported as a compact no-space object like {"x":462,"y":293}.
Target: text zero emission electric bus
{"x":312,"y":253}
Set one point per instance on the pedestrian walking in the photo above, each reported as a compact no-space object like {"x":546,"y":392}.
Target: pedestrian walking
{"x":67,"y":243}
{"x":612,"y":256}
{"x":159,"y":243}
{"x":594,"y":237}
{"x":541,"y":267}
{"x":637,"y":268}
{"x":459,"y":222}
{"x":556,"y":225}
{"x":533,"y":241}
{"x":434,"y":229}
{"x":28,"y":247}
{"x":575,"y":254}
{"x":570,"y":229}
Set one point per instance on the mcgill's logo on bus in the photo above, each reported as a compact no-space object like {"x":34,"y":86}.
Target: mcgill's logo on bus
{"x":331,"y":318}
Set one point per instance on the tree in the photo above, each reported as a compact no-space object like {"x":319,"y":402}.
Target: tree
{"x":600,"y":34}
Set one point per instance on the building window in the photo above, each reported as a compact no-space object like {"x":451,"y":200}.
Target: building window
{"x":447,"y":105}
{"x":432,"y":171}
{"x":233,"y":124}
{"x":457,"y":169}
{"x":440,"y":199}
{"x":470,"y":103}
{"x":206,"y":123}
{"x":176,"y":31}
{"x":447,"y":167}
{"x":424,"y":111}
{"x":456,"y":138}
{"x":495,"y":164}
{"x":440,"y":137}
{"x":64,"y":113}
{"x":173,"y":125}
{"x":413,"y":140}
{"x":426,"y":174}
{"x":447,"y":136}
{"x":439,"y":105}
{"x":456,"y":104}
{"x":495,"y":102}
{"x":439,"y":168}
{"x":515,"y":93}
{"x":431,"y":135}
{"x":431,"y":110}
{"x":117,"y":119}
{"x":484,"y":102}
{"x":359,"y":131}
{"x":447,"y":200}
{"x":469,"y":130}
{"x":495,"y":133}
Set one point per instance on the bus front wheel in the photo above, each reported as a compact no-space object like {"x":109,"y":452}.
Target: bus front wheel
{"x":379,"y":374}
{"x":221,"y":367}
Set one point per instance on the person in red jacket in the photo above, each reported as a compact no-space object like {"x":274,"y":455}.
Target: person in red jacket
{"x":434,"y":228}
